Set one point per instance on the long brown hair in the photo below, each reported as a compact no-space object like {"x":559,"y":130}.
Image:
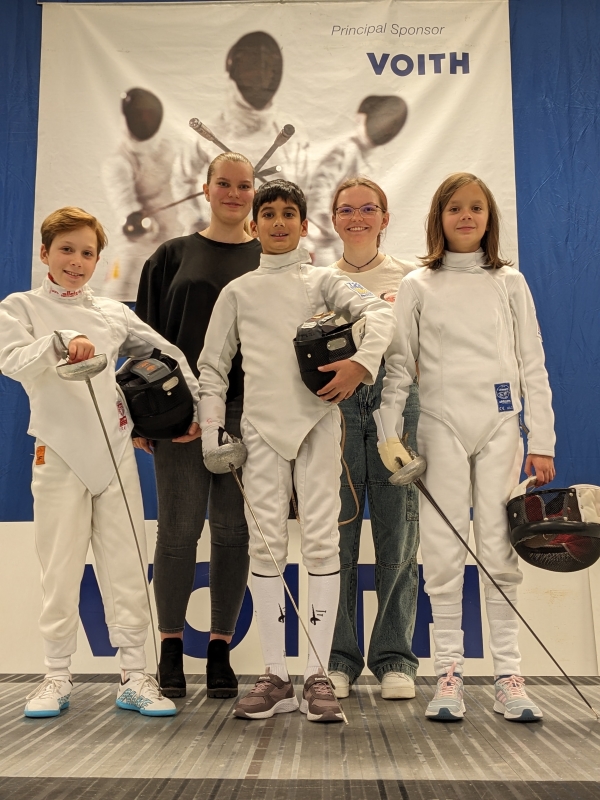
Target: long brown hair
{"x":436,"y":242}
{"x":361,"y":181}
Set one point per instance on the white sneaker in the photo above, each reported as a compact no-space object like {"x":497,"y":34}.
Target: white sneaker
{"x":341,"y":682}
{"x":512,"y":701}
{"x":397,"y":686}
{"x":140,"y":692}
{"x":447,"y":704}
{"x":51,"y":696}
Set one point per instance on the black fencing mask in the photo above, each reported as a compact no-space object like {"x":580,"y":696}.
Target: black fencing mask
{"x":143,"y":113}
{"x":324,"y":339}
{"x":158,"y":397}
{"x":556,"y":529}
{"x":386,"y":114}
{"x":256,"y":65}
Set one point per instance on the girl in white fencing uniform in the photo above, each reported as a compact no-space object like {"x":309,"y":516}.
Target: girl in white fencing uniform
{"x":469,"y":320}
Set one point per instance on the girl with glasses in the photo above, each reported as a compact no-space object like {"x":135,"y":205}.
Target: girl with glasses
{"x":359,"y":216}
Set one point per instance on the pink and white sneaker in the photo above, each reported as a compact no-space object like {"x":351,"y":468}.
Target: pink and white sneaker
{"x":447,"y":704}
{"x":512,"y":701}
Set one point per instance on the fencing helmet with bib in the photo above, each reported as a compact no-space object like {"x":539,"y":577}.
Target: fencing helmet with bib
{"x":255,"y":64}
{"x":159,"y":399}
{"x":556,"y":529}
{"x":143,"y":113}
{"x":325,"y":339}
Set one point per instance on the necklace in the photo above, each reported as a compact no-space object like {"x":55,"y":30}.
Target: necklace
{"x":362,"y":265}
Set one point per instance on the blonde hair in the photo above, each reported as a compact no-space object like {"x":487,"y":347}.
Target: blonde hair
{"x":436,"y":241}
{"x":232,"y":158}
{"x":369,"y":184}
{"x":68,"y":219}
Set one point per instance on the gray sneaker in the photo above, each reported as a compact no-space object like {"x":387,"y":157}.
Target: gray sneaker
{"x":447,"y":704}
{"x":269,"y":696}
{"x":318,"y":701}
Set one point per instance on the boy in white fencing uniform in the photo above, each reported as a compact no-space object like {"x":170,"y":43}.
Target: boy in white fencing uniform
{"x":283,"y":422}
{"x":77,"y":498}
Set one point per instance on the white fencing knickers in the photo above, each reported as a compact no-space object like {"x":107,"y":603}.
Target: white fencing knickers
{"x":454,"y":478}
{"x":66,"y":519}
{"x":268,"y":484}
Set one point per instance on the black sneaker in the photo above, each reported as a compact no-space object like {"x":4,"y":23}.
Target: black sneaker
{"x":220,"y":678}
{"x":170,"y":668}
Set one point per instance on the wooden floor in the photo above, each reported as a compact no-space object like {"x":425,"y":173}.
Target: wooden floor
{"x":97,"y":751}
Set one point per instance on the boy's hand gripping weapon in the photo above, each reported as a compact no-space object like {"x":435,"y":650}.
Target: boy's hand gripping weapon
{"x":409,"y":468}
{"x":85,"y":371}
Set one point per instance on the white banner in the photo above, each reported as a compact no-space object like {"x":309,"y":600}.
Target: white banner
{"x":403,"y":92}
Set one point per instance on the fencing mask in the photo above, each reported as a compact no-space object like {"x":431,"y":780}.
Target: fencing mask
{"x":385,"y":116}
{"x":158,"y":397}
{"x":556,"y":529}
{"x":324,"y":339}
{"x":143,"y":113}
{"x":256,"y":65}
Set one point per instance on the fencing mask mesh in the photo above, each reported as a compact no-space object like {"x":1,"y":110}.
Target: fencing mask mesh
{"x":556,"y":529}
{"x":385,"y":116}
{"x":255,"y":63}
{"x":143,"y":113}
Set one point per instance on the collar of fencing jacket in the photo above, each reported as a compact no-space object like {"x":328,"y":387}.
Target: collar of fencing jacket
{"x":56,"y":292}
{"x":464,"y":260}
{"x":276,"y":262}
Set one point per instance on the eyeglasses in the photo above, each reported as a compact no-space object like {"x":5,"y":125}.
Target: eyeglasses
{"x":368,"y":210}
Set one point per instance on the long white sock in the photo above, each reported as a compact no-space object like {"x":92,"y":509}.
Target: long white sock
{"x":504,"y":631}
{"x":448,"y":637}
{"x":58,"y":666}
{"x":323,"y":599}
{"x":269,"y":606}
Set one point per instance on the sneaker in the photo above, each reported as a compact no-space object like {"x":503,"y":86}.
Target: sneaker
{"x":50,"y":698}
{"x":512,"y":701}
{"x":170,"y":667}
{"x":447,"y":704}
{"x":341,"y":683}
{"x":397,"y":686}
{"x":220,"y":678}
{"x":270,"y":695}
{"x":140,"y":692}
{"x":319,"y":703}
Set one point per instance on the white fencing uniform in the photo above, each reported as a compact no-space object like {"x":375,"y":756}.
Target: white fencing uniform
{"x":474,"y":333}
{"x":137,"y":177}
{"x":77,"y":499}
{"x":282,"y":419}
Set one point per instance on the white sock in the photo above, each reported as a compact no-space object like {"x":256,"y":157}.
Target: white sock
{"x":268,"y":595}
{"x":132,"y":659}
{"x":504,"y":631}
{"x":323,"y":599}
{"x":59,"y":673}
{"x":448,"y":637}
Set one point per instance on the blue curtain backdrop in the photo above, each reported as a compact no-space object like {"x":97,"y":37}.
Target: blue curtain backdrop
{"x":556,"y":100}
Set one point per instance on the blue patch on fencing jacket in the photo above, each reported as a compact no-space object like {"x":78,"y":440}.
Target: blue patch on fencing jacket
{"x":503,"y":396}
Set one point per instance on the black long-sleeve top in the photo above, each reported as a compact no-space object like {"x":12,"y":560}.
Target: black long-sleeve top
{"x":179,"y":286}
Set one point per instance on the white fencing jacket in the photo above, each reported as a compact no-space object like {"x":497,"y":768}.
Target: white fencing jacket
{"x":62,"y":412}
{"x":474,"y":332}
{"x":262,"y":310}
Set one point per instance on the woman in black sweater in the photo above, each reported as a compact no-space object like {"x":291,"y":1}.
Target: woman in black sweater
{"x":179,"y":286}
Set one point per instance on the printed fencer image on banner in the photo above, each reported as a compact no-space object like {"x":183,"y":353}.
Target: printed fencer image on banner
{"x":137,"y":180}
{"x":378,"y":120}
{"x":247,"y":123}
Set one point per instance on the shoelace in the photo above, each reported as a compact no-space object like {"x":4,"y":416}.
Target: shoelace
{"x":261,"y":686}
{"x":149,"y":688}
{"x":513,"y":686}
{"x":321,"y":687}
{"x":48,"y":687}
{"x":447,"y":685}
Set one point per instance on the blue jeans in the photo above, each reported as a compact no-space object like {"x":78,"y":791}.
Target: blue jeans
{"x":395,"y":527}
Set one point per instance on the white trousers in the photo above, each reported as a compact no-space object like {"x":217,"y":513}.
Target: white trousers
{"x":316,"y":476}
{"x":66,"y":519}
{"x":458,"y":480}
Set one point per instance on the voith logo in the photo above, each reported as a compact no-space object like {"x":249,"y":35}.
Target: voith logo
{"x":403,"y":65}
